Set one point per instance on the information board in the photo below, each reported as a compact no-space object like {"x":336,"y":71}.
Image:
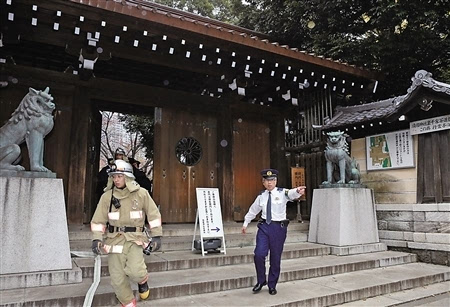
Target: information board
{"x":390,"y":150}
{"x":209,"y":216}
{"x":298,"y":179}
{"x":430,"y":125}
{"x":209,"y":213}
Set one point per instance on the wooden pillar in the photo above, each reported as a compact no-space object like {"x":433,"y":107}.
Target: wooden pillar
{"x":277,"y":152}
{"x":78,"y":159}
{"x":435,"y":155}
{"x":224,"y":158}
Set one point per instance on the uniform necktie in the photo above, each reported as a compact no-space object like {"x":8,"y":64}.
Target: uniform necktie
{"x":269,"y":209}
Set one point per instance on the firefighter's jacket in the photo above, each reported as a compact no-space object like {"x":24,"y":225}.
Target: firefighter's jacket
{"x":135,"y":205}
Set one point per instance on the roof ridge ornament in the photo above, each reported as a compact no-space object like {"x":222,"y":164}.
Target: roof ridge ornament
{"x":426,"y":104}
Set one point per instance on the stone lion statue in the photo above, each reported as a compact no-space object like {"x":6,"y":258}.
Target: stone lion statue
{"x":340,"y":167}
{"x":30,"y":123}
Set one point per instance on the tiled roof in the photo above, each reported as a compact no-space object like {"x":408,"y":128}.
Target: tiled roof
{"x":210,"y":27}
{"x":363,"y":113}
{"x":346,"y":116}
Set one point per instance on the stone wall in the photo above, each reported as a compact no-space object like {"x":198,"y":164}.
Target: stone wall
{"x":390,"y":186}
{"x":423,"y":229}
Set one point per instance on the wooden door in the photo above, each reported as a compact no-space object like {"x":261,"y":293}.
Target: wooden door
{"x":433,"y":169}
{"x":94,"y":141}
{"x":177,"y":172}
{"x":251,"y":154}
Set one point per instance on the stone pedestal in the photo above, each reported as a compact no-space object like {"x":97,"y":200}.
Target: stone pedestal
{"x":343,"y":217}
{"x":34,"y":235}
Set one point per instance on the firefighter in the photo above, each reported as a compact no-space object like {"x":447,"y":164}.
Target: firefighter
{"x":118,"y":230}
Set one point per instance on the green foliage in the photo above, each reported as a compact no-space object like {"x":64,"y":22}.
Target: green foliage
{"x":396,"y":37}
{"x":145,"y":125}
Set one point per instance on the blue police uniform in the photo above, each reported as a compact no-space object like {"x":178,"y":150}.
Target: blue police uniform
{"x":271,"y":236}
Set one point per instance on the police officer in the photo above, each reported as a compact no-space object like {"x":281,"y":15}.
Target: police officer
{"x":272,"y":228}
{"x":141,"y":178}
{"x":102,"y":178}
{"x":118,"y":230}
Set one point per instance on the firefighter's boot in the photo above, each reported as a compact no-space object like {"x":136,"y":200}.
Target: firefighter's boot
{"x":144,"y":291}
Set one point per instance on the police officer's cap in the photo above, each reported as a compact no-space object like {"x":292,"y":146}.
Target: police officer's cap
{"x":269,"y":173}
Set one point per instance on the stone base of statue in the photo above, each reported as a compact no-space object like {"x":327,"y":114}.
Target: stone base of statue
{"x":34,"y":233}
{"x":346,"y":219}
{"x":26,"y":174}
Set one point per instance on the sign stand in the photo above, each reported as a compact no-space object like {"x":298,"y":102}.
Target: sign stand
{"x":298,"y":179}
{"x":209,"y":217}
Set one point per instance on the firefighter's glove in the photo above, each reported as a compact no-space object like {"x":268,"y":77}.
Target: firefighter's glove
{"x":97,"y":247}
{"x":156,"y":243}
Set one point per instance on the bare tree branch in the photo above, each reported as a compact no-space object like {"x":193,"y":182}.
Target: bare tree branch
{"x":112,"y":138}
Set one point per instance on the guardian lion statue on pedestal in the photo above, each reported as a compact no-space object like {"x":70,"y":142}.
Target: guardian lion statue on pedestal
{"x":341,"y":168}
{"x":30,"y":123}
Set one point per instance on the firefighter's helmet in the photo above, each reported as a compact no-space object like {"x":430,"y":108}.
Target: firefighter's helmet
{"x":121,"y":167}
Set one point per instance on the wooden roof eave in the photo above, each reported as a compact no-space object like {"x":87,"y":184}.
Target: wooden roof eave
{"x":415,"y":99}
{"x":423,"y":87}
{"x":229,"y":36}
{"x":406,"y":106}
{"x":77,"y":18}
{"x":186,"y":14}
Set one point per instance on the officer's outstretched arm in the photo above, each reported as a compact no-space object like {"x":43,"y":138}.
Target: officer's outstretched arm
{"x":295,"y":193}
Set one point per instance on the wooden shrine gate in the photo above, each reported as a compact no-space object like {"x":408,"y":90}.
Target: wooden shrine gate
{"x":185,"y":158}
{"x":250,"y":155}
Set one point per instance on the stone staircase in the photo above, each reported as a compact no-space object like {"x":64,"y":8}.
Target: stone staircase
{"x":311,"y":275}
{"x":178,"y":237}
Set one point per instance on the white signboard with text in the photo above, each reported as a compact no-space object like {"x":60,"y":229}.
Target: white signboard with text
{"x":430,"y":125}
{"x":390,"y":150}
{"x":209,"y":215}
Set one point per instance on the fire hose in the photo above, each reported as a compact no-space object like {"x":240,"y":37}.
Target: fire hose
{"x":91,"y":292}
{"x":98,"y":266}
{"x":97,"y":272}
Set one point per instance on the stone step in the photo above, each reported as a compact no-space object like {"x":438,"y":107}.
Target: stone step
{"x":180,"y":260}
{"x":242,"y":276}
{"x":440,"y":300}
{"x":173,"y":230}
{"x":185,"y":242}
{"x":439,"y":293}
{"x":170,"y":284}
{"x":41,"y":279}
{"x":321,"y":291}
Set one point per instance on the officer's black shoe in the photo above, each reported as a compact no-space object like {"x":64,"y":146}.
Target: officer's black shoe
{"x":258,"y":287}
{"x":272,"y":291}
